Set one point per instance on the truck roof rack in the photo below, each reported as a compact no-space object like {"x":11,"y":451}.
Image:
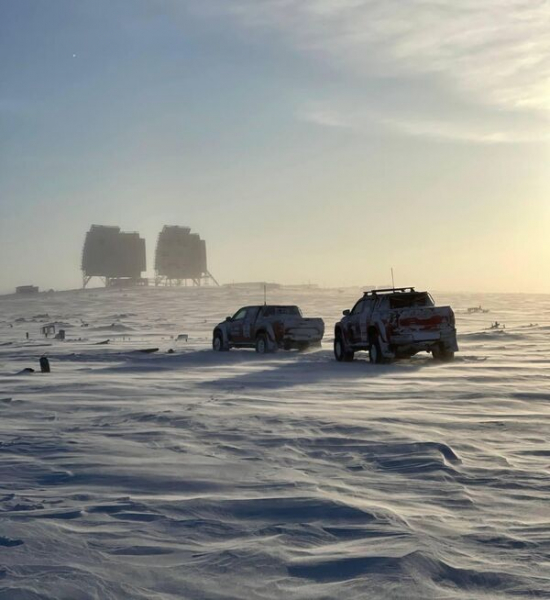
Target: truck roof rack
{"x":402,"y":290}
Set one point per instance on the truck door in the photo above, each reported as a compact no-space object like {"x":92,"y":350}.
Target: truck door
{"x":236,"y":326}
{"x":366,"y":319}
{"x":249,"y":330}
{"x":354,"y":325}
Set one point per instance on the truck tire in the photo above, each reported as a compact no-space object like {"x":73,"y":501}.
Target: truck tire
{"x":341,"y":353}
{"x":262,"y":344}
{"x":441,"y":354}
{"x":375,"y":352}
{"x":217,"y":343}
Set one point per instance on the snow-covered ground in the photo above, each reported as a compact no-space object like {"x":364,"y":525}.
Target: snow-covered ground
{"x":200,"y":475}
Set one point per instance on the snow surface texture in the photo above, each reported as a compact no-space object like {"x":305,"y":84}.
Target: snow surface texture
{"x":205,"y":475}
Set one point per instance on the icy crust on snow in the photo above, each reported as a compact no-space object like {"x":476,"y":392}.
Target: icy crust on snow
{"x":205,"y":475}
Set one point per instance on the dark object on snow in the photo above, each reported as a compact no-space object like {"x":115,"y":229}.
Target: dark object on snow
{"x":148,"y":350}
{"x":48,"y":330}
{"x":27,"y":370}
{"x":477,"y":309}
{"x":395,"y":323}
{"x":51,"y":329}
{"x":103,"y":343}
{"x":268,"y":328}
{"x":171,"y":351}
{"x":9,"y":543}
{"x":26,"y":289}
{"x":44,"y":365}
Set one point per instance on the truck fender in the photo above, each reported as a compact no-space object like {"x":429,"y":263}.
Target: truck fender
{"x":375,"y":331}
{"x":223,"y":330}
{"x":340,"y":331}
{"x":270,"y":333}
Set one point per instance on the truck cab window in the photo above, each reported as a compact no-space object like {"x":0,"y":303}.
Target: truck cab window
{"x":270,"y":311}
{"x":358,"y":308}
{"x":252,"y":313}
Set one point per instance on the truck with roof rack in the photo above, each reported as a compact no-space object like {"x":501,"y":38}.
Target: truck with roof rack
{"x":268,"y":328}
{"x":396,"y":323}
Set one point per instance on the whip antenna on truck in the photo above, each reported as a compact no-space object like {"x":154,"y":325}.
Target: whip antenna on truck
{"x":392,"y":280}
{"x":265,"y":294}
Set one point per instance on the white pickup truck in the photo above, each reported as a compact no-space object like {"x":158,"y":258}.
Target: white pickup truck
{"x":396,"y":323}
{"x":268,"y":328}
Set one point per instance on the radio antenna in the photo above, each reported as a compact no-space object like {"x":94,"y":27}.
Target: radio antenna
{"x":265,"y":294}
{"x":392,"y":280}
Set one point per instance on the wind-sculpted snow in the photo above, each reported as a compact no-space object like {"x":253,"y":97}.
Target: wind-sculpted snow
{"x":201,"y":475}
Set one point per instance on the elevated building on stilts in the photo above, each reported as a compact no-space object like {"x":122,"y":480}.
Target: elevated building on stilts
{"x":114,"y":256}
{"x":181,"y":258}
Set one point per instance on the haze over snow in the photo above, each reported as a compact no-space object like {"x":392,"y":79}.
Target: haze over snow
{"x":304,"y":140}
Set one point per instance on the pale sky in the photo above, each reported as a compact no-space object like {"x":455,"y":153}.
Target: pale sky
{"x":305,"y":140}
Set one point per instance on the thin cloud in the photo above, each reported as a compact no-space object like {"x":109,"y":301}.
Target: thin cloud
{"x":326,"y":117}
{"x":455,"y":128}
{"x":441,"y":130}
{"x":496,"y":50}
{"x":489,"y":56}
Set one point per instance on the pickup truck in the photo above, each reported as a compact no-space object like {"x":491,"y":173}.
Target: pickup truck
{"x":268,"y":328}
{"x":396,"y":323}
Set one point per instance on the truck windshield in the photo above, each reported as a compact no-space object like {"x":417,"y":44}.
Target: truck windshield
{"x":270,"y":311}
{"x":412,"y":299}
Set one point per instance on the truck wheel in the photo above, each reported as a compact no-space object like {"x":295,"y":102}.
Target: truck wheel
{"x":262,"y":346}
{"x":217,"y":343}
{"x":375,"y":352}
{"x":440,"y":353}
{"x":340,"y":352}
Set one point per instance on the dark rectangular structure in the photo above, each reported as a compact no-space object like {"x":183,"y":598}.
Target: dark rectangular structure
{"x":180,"y":256}
{"x":110,"y":253}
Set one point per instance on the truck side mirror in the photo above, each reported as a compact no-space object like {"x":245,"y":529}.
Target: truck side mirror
{"x":228,"y":319}
{"x":346,"y":312}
